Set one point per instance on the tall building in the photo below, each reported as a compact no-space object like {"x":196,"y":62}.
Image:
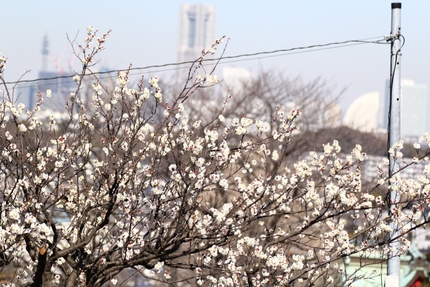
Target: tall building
{"x":197,"y":32}
{"x":60,"y":83}
{"x":45,"y":52}
{"x":413,"y":109}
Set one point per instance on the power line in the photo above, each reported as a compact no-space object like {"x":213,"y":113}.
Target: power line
{"x":263,"y":54}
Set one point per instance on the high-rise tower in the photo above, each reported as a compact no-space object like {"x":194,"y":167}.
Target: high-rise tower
{"x":45,"y":52}
{"x":60,"y":84}
{"x":197,"y":32}
{"x":34,"y":89}
{"x":413,"y":109}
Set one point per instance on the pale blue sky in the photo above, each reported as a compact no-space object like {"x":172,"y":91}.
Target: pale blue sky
{"x":146,"y":33}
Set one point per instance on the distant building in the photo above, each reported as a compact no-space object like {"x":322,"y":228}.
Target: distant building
{"x":370,"y":111}
{"x":61,"y":84}
{"x":413,"y":269}
{"x":331,"y":116}
{"x":413,"y":109}
{"x":315,"y":115}
{"x":370,"y":169}
{"x":234,"y":78}
{"x":363,"y":113}
{"x":197,"y":32}
{"x":422,"y":239}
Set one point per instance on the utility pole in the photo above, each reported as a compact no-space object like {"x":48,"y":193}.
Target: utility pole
{"x":393,"y":264}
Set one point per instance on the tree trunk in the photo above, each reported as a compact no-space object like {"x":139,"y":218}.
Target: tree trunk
{"x":40,"y":277}
{"x":72,"y":279}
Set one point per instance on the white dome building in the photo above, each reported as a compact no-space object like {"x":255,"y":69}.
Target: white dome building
{"x":363,"y":113}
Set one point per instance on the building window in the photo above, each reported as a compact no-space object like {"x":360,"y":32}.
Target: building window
{"x":205,"y":30}
{"x":191,"y":30}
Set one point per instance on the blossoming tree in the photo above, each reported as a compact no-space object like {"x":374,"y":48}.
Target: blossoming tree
{"x":126,"y":182}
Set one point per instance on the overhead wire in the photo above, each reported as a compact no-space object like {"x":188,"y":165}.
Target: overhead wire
{"x":227,"y":59}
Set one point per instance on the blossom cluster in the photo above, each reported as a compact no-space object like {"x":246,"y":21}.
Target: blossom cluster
{"x":126,"y":180}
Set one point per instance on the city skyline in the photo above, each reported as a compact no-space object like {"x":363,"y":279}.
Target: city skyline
{"x":144,"y":40}
{"x":369,"y":112}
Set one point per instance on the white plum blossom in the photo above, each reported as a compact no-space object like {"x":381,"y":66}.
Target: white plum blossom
{"x":22,"y":128}
{"x":210,"y":80}
{"x":153,"y":81}
{"x":97,"y":88}
{"x":245,"y":122}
